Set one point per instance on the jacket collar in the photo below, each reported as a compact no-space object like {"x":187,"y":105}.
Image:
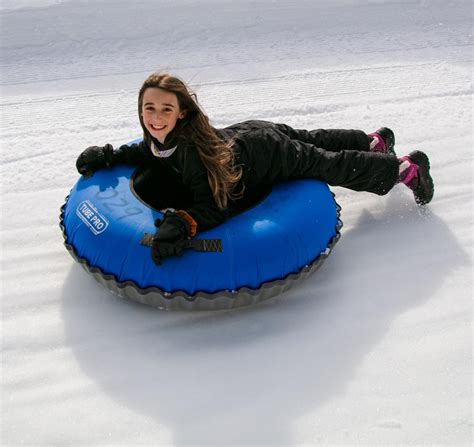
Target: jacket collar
{"x":164,"y":150}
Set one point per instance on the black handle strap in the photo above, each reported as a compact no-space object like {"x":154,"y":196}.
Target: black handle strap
{"x":204,"y":245}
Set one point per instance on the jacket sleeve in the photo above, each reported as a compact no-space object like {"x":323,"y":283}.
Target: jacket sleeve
{"x":133,"y":154}
{"x":204,"y":211}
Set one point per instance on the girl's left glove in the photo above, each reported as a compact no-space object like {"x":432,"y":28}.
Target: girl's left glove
{"x":94,"y":158}
{"x":173,"y":231}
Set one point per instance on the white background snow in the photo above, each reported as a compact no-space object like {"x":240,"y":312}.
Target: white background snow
{"x":374,"y":349}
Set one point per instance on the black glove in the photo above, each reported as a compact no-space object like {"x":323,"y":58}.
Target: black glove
{"x":95,"y":158}
{"x":170,"y":239}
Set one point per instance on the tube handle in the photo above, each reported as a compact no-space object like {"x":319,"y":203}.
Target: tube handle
{"x":203,"y":245}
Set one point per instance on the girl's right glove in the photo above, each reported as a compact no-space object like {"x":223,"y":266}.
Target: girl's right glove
{"x":173,"y":231}
{"x":95,"y":158}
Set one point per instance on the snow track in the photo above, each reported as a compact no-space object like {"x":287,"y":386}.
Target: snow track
{"x":374,"y":349}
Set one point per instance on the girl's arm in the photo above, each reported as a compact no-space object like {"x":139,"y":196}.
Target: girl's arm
{"x":100,"y":157}
{"x":204,"y":211}
{"x":133,"y":154}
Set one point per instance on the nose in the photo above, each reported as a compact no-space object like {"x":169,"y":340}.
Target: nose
{"x":157,"y":116}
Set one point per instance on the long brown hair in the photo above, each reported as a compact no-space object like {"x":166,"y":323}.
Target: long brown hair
{"x":216,"y":155}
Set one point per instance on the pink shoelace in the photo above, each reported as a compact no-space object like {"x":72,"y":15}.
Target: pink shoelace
{"x":377,"y":144}
{"x":407,"y":170}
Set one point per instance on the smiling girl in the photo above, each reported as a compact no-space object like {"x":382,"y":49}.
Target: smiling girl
{"x":227,"y":168}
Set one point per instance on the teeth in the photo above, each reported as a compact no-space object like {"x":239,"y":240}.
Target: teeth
{"x":158,"y":127}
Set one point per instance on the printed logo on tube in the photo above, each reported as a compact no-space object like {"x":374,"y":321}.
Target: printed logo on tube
{"x":88,"y":213}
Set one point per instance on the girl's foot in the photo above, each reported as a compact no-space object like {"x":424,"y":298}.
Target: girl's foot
{"x":383,"y":141}
{"x":414,"y":172}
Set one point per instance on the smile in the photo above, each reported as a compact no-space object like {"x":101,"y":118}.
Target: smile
{"x":157,"y":127}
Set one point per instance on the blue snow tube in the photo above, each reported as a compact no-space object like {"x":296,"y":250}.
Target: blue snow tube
{"x":265,"y":250}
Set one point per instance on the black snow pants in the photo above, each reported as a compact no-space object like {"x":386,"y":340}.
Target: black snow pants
{"x":338,"y":157}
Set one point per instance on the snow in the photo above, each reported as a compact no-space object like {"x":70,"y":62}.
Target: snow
{"x":374,"y":349}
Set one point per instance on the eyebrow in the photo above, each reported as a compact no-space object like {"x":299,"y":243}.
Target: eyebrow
{"x":152,"y":104}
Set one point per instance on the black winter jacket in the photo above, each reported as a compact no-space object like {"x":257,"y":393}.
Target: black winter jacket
{"x":268,"y":153}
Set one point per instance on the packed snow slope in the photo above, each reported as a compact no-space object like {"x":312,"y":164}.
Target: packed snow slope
{"x":374,"y":349}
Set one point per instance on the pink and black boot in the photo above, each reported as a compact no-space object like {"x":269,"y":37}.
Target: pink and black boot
{"x":382,"y":141}
{"x":414,"y":172}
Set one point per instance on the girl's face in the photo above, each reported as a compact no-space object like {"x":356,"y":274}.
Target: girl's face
{"x":160,"y":112}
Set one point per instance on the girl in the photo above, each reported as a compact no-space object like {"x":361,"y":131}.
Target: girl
{"x":226,"y":168}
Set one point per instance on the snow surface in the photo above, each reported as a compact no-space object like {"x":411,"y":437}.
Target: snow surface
{"x":374,"y":349}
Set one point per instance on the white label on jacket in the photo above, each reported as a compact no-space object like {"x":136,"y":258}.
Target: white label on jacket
{"x":162,"y":154}
{"x":95,"y":221}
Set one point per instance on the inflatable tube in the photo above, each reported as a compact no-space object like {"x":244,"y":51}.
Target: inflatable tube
{"x":265,"y":250}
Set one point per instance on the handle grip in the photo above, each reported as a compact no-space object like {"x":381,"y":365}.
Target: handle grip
{"x":203,"y":245}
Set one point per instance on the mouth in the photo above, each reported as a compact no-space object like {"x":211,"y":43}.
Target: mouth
{"x":157,"y":128}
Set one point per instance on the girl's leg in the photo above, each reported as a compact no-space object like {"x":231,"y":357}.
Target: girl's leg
{"x":383,"y":140}
{"x":357,"y":170}
{"x":414,"y":172}
{"x":334,"y":140}
{"x":283,"y":158}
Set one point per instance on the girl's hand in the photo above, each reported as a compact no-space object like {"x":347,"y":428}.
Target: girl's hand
{"x":94,"y":158}
{"x":169,"y":239}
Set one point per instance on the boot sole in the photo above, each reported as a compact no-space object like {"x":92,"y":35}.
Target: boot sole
{"x":389,"y":139}
{"x":425,"y":190}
